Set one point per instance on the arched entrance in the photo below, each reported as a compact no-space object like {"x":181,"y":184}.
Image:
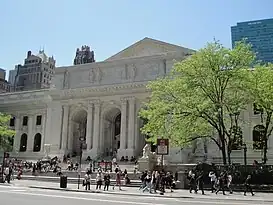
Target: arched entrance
{"x":111,"y":131}
{"x":78,"y":123}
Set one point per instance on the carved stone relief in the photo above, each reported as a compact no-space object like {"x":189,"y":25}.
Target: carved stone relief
{"x":95,"y":75}
{"x":129,"y":72}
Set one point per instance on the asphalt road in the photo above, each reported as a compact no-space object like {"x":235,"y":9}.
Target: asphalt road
{"x":27,"y":196}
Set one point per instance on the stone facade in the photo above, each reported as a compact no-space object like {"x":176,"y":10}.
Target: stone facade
{"x":99,"y":103}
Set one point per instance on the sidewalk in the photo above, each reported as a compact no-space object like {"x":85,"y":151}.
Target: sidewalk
{"x":259,"y":197}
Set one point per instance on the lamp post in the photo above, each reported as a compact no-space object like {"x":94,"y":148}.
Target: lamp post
{"x":245,"y":151}
{"x":82,"y":139}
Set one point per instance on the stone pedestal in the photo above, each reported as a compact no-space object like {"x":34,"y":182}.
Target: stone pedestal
{"x":182,"y":180}
{"x":146,"y":164}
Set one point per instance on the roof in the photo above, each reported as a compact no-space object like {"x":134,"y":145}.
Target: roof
{"x":148,"y":47}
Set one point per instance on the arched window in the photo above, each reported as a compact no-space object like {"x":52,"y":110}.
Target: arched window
{"x":257,"y":136}
{"x":37,"y":143}
{"x":237,"y":138}
{"x":23,"y":143}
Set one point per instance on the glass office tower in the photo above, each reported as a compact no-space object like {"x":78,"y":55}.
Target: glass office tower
{"x":259,"y":33}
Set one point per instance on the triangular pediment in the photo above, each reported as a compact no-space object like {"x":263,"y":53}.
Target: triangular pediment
{"x":148,"y":47}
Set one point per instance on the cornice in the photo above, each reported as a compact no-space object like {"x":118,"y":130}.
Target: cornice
{"x":87,"y":91}
{"x":122,"y":61}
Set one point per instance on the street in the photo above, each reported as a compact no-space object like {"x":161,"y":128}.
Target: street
{"x":27,"y":196}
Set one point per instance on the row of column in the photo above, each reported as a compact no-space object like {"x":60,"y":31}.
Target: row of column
{"x":130,"y":129}
{"x":93,"y":129}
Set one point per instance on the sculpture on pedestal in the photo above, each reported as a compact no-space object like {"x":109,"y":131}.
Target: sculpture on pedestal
{"x":146,"y":151}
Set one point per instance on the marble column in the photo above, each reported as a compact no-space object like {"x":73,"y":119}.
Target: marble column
{"x":131,"y":125}
{"x":65,"y":127}
{"x":43,"y":132}
{"x":89,"y":126}
{"x":70,"y":143}
{"x":96,"y":130}
{"x":48,"y":132}
{"x":30,"y":137}
{"x":17,"y":137}
{"x":123,"y":130}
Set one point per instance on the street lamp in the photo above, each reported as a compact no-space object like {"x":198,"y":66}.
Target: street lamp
{"x":82,"y":139}
{"x":245,"y":151}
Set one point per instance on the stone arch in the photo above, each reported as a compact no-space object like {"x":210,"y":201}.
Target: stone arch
{"x":23,"y":142}
{"x":78,"y":121}
{"x":111,"y":119}
{"x":37,"y":142}
{"x":257,"y":137}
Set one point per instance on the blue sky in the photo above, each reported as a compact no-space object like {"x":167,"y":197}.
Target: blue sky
{"x":108,"y":26}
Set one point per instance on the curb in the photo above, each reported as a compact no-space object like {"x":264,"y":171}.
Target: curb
{"x":135,"y":194}
{"x":112,"y":193}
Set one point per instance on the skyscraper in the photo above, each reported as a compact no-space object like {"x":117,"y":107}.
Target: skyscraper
{"x":259,"y":33}
{"x":36,"y":73}
{"x":85,"y":55}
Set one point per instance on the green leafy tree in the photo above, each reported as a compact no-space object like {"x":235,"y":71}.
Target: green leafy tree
{"x":5,"y":133}
{"x":202,"y":97}
{"x":260,"y":86}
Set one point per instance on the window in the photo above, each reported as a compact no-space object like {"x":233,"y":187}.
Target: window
{"x":23,"y":143}
{"x":39,"y":120}
{"x":25,"y":120}
{"x":37,"y":143}
{"x":257,"y":136}
{"x":12,"y":122}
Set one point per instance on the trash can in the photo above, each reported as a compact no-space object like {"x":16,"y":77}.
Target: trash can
{"x":63,"y":181}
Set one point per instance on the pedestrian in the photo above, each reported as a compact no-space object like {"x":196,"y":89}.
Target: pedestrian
{"x":221,"y":184}
{"x":118,"y":180}
{"x":229,"y":181}
{"x":248,"y":185}
{"x":200,"y":181}
{"x":192,"y":182}
{"x":99,"y":181}
{"x":213,"y":179}
{"x":87,"y":181}
{"x":107,"y":178}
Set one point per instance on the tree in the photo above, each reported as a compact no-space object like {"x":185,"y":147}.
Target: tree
{"x":260,"y":87}
{"x":203,"y":94}
{"x":5,"y":132}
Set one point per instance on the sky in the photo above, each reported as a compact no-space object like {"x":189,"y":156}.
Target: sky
{"x":109,"y":26}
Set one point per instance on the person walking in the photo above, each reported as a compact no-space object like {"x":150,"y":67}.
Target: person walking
{"x":87,"y":181}
{"x":107,"y":178}
{"x":248,"y":186}
{"x":213,"y":179}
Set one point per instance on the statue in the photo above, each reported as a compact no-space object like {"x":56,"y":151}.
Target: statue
{"x":92,"y":75}
{"x":146,"y":151}
{"x":132,"y":73}
{"x":66,"y":79}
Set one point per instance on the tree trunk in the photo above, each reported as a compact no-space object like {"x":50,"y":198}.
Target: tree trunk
{"x":229,"y":157}
{"x":224,"y":154}
{"x":265,"y":151}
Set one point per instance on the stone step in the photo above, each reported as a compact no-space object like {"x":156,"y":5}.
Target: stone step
{"x":70,"y":180}
{"x":73,"y":174}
